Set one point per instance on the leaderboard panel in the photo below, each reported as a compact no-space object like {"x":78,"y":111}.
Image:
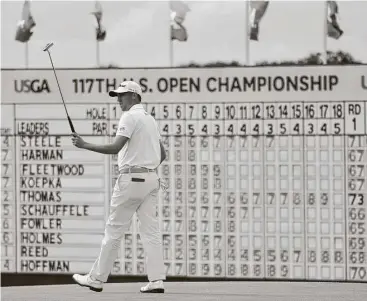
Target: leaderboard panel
{"x":255,"y":205}
{"x":60,"y":200}
{"x":256,"y":187}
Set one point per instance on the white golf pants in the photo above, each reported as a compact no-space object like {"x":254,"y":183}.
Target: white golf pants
{"x":129,"y":197}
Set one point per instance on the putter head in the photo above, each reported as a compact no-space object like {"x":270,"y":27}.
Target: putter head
{"x":48,"y":46}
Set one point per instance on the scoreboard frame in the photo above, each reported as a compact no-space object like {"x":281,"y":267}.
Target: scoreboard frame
{"x":266,"y":171}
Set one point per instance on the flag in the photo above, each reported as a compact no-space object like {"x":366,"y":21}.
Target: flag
{"x":257,"y":11}
{"x":25,"y":25}
{"x":179,"y":9}
{"x":333,"y":29}
{"x":100,"y":31}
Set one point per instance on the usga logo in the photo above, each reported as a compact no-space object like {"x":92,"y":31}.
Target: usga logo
{"x":35,"y":86}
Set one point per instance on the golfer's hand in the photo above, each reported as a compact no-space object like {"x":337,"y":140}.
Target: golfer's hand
{"x":77,"y":140}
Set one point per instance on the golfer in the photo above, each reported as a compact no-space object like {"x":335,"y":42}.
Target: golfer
{"x":140,"y":152}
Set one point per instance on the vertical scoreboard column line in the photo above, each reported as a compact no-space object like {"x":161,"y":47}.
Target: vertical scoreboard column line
{"x":237,"y":189}
{"x":187,"y":247}
{"x":365,"y":149}
{"x":186,"y":203}
{"x":365,"y":121}
{"x":263,"y":186}
{"x":16,"y":199}
{"x":185,"y":192}
{"x":224,"y":195}
{"x":109,"y":161}
{"x":365,"y":133}
{"x":189,"y":198}
{"x":345,"y":192}
{"x":304,"y":191}
{"x":178,"y":193}
{"x":172,"y":206}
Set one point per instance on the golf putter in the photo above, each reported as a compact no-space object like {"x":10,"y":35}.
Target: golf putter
{"x":46,"y":48}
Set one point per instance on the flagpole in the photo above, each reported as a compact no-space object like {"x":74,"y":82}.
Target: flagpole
{"x":325,"y":33}
{"x":170,"y":36}
{"x":247,"y":46}
{"x":26,"y":55}
{"x":97,"y":52}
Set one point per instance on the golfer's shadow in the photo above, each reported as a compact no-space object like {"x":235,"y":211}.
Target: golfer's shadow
{"x":206,"y":293}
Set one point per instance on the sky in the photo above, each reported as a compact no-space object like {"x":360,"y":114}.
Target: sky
{"x":138,"y":33}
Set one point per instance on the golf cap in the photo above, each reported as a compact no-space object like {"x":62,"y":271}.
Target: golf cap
{"x":126,"y":86}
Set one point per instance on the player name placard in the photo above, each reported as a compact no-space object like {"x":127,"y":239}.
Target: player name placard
{"x":266,"y":171}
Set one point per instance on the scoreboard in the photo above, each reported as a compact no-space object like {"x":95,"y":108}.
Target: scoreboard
{"x":266,"y":171}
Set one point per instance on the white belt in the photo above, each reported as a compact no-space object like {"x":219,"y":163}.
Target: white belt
{"x":136,"y":170}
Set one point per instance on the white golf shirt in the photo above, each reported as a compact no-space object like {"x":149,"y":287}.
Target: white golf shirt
{"x":143,"y":147}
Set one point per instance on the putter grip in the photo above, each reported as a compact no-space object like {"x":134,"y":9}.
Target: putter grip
{"x":71,"y":125}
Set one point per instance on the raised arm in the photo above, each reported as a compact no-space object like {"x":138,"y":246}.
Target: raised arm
{"x":107,"y":149}
{"x":125,"y":129}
